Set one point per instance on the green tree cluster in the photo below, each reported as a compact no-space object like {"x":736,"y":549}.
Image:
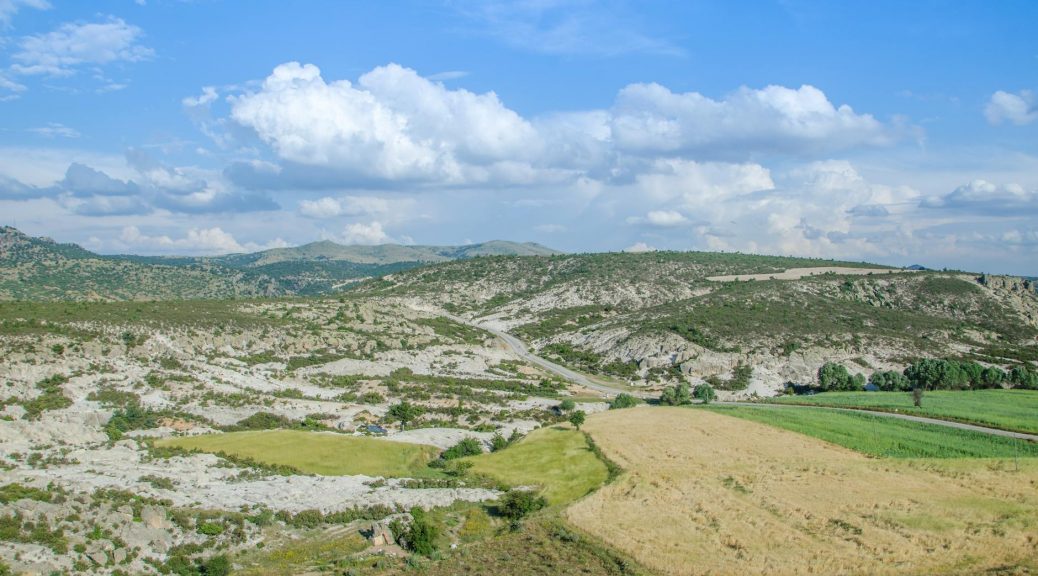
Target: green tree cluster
{"x":677,"y":395}
{"x":833,"y":377}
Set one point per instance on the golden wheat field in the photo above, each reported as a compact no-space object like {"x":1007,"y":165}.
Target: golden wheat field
{"x":705,"y":493}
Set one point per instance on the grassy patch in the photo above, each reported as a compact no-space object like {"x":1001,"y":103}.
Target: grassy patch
{"x":544,"y":547}
{"x":318,"y":453}
{"x":884,"y":436}
{"x":1007,"y":409}
{"x":318,"y":552}
{"x":557,"y":460}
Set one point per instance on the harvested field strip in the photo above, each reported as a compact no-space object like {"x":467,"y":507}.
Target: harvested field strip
{"x":556,"y":460}
{"x":878,"y":435}
{"x":1015,"y":410}
{"x":704,"y":493}
{"x":319,"y":452}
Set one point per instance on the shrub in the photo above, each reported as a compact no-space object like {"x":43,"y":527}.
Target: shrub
{"x":516,"y":504}
{"x":498,"y":442}
{"x":567,"y":405}
{"x":466,"y":447}
{"x":623,"y":400}
{"x":420,"y":536}
{"x":263,"y":421}
{"x":210,"y":529}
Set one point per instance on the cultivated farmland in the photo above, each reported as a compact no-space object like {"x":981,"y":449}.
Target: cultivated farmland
{"x":878,"y":435}
{"x":1006,"y":409}
{"x":705,"y":493}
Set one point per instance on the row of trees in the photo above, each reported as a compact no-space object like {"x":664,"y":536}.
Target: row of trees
{"x":929,"y":374}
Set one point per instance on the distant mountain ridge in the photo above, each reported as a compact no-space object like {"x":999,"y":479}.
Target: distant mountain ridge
{"x":39,"y":268}
{"x":382,"y":254}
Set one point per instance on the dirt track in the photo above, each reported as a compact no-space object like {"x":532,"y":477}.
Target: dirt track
{"x":798,"y":273}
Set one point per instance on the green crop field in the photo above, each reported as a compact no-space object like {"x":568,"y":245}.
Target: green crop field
{"x":556,"y":459}
{"x":884,"y":436}
{"x":1006,"y":409}
{"x":318,"y":452}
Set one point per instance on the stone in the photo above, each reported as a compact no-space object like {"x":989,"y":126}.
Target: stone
{"x":154,"y":517}
{"x":381,"y":535}
{"x":119,"y":555}
{"x":99,"y":557}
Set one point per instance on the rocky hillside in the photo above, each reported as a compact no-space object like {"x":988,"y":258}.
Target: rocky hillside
{"x":42,"y":269}
{"x":657,"y":317}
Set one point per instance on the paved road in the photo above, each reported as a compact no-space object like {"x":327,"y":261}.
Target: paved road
{"x":909,"y":417}
{"x":519,"y":348}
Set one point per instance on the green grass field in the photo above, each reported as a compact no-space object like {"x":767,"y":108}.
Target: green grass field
{"x":319,"y":453}
{"x":1006,"y":409}
{"x":883,"y":436}
{"x":556,"y":459}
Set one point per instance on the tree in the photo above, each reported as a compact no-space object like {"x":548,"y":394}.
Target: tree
{"x":890,"y":381}
{"x":992,"y":377}
{"x":567,"y":405}
{"x":623,"y":400}
{"x":705,"y":392}
{"x":973,"y":373}
{"x":936,"y":374}
{"x":1021,"y":377}
{"x":917,"y":397}
{"x":577,"y":418}
{"x":857,"y":382}
{"x":833,"y":376}
{"x":677,"y":395}
{"x":516,"y":504}
{"x":405,"y":412}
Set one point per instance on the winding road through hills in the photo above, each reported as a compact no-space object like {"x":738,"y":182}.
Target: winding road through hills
{"x":519,"y":348}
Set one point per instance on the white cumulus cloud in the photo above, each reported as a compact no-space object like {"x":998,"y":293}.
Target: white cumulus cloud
{"x":393,"y":124}
{"x":8,"y":8}
{"x":650,"y":119}
{"x":367,"y":234}
{"x":195,"y":241}
{"x":72,"y":45}
{"x":1020,"y":108}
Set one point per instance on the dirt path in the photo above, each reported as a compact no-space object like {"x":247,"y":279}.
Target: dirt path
{"x":798,"y":273}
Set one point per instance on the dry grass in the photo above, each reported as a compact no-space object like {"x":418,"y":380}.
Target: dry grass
{"x":710,"y":494}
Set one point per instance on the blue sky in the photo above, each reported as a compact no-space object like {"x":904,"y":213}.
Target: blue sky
{"x":896,"y":132}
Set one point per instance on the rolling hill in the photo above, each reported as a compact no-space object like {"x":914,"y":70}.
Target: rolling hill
{"x":41,"y":269}
{"x":656,"y":317}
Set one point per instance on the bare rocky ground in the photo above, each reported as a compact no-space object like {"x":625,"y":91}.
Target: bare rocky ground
{"x":105,"y":503}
